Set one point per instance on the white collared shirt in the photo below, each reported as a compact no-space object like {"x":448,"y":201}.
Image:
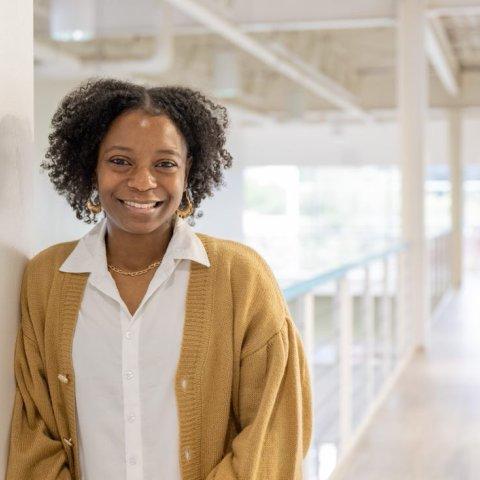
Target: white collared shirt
{"x":125,"y":365}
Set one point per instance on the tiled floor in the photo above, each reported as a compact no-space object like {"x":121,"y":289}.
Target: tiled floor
{"x":429,"y":427}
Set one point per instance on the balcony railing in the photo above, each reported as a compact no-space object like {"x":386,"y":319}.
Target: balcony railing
{"x":355,"y":327}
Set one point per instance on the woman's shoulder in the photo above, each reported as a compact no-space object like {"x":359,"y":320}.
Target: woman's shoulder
{"x":254,"y":289}
{"x":40,"y":271}
{"x":50,"y":258}
{"x":239,"y":262}
{"x":225,"y":250}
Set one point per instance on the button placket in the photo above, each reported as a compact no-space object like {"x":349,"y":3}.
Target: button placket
{"x":69,"y":450}
{"x":63,"y":377}
{"x":68,"y":441}
{"x":131,"y":394}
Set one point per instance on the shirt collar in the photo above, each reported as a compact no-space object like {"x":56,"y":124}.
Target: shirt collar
{"x":89,"y":254}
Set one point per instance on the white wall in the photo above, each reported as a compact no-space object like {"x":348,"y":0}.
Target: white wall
{"x":54,"y":219}
{"x":349,"y":144}
{"x":16,"y":185}
{"x":223,"y":212}
{"x":471,"y":139}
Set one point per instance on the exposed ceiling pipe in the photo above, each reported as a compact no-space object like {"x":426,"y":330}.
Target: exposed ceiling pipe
{"x":233,"y":34}
{"x":55,"y":61}
{"x":48,"y":55}
{"x":60,"y":64}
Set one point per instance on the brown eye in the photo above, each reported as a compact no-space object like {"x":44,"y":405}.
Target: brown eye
{"x":117,"y":159}
{"x":167,"y":164}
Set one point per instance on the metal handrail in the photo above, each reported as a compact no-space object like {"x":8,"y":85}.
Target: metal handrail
{"x":305,"y":286}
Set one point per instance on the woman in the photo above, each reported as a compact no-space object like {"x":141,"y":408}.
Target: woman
{"x":145,"y":350}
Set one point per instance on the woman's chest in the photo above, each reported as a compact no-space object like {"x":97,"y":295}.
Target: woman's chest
{"x":132,"y":289}
{"x":108,"y":341}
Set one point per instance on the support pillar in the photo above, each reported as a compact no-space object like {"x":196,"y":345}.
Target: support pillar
{"x":456,"y":179}
{"x":412,"y":105}
{"x":16,"y":189}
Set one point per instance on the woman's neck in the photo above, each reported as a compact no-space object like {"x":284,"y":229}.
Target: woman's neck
{"x":133,"y":252}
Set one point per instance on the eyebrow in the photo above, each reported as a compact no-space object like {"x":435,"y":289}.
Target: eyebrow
{"x":127,"y":149}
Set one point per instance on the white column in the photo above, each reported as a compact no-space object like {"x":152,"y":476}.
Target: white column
{"x":456,"y":180}
{"x":412,"y":105}
{"x":16,"y":187}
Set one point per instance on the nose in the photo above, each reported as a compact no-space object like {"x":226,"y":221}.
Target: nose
{"x":142,"y":179}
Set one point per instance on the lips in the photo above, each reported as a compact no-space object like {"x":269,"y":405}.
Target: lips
{"x":141,"y":210}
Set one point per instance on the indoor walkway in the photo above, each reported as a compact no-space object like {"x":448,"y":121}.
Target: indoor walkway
{"x":429,"y":427}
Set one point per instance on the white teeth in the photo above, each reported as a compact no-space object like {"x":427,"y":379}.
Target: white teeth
{"x":140,"y":205}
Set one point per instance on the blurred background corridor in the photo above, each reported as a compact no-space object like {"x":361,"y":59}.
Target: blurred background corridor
{"x":355,"y":135}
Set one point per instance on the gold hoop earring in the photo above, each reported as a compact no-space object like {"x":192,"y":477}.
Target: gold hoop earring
{"x":187,"y":211}
{"x":94,"y":207}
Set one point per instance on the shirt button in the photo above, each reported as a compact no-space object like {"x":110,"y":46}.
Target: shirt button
{"x":128,"y":374}
{"x":184,"y":383}
{"x":132,"y":461}
{"x":128,"y":334}
{"x":131,"y":417}
{"x":187,"y":454}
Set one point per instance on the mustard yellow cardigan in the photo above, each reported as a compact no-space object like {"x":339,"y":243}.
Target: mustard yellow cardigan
{"x":246,"y":413}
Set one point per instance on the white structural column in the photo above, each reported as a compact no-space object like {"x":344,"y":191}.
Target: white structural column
{"x":456,"y":179}
{"x":16,"y":188}
{"x":412,"y":103}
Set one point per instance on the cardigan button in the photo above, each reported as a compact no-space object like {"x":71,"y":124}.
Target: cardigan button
{"x":62,"y":378}
{"x":184,"y":383}
{"x":68,"y":441}
{"x":187,"y":454}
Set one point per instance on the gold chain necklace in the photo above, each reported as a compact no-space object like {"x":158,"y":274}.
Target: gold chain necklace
{"x":132,"y":274}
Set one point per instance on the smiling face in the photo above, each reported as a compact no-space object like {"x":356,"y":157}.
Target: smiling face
{"x":142,"y":158}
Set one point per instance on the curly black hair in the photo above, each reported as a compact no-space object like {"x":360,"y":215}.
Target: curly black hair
{"x":85,"y":114}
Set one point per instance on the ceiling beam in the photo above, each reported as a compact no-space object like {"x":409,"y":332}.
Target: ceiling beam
{"x":452,"y":8}
{"x":320,"y":86}
{"x":441,"y":55}
{"x":297,"y":26}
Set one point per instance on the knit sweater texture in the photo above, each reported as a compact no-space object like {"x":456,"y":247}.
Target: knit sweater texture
{"x":246,"y":413}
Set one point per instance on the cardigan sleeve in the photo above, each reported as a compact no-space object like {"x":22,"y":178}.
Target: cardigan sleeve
{"x":35,"y":450}
{"x":275,"y":413}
